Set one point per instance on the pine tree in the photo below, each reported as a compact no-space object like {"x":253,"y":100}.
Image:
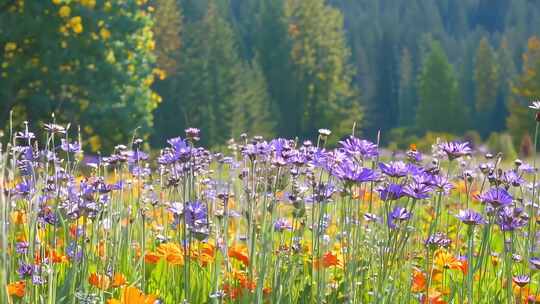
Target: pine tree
{"x":386,"y":112}
{"x":507,"y":74}
{"x":521,"y":121}
{"x":272,"y":49}
{"x":253,"y":113}
{"x":407,"y":102}
{"x":167,"y":28}
{"x":440,"y":107}
{"x":486,"y":76}
{"x":217,"y":92}
{"x":319,"y":59}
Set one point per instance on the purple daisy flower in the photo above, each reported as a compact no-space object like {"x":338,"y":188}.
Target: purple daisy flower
{"x":25,"y":270}
{"x":470,"y":217}
{"x":438,"y":239}
{"x":352,"y":172}
{"x":510,"y":219}
{"x":455,"y":150}
{"x":21,"y":247}
{"x":417,"y":190}
{"x":398,"y":214}
{"x":195,"y":214}
{"x":193,"y":133}
{"x":391,"y":192}
{"x":512,"y":178}
{"x":282,"y":224}
{"x":442,"y":184}
{"x":496,"y":197}
{"x":394,"y":169}
{"x":535,"y":262}
{"x":359,"y":147}
{"x":74,"y":147}
{"x":521,"y":280}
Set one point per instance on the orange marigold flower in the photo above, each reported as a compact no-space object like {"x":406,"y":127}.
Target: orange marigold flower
{"x":418,"y":281}
{"x":433,"y":297}
{"x":243,"y":280}
{"x":18,"y":217}
{"x":17,"y":289}
{"x":329,"y":259}
{"x":118,"y":280}
{"x":52,"y":255}
{"x":232,"y":292}
{"x":206,"y":255}
{"x":446,"y":260}
{"x":463,"y":265}
{"x":172,"y":253}
{"x":240,"y":253}
{"x":132,"y":295}
{"x":151,"y":257}
{"x":99,"y":281}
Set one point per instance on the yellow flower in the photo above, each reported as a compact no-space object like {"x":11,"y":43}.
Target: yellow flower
{"x":76,"y":24}
{"x":110,"y":58}
{"x":64,"y":11}
{"x":56,"y":2}
{"x":88,"y":3}
{"x":104,"y":33}
{"x":10,"y":46}
{"x":78,"y":28}
{"x":161,"y":74}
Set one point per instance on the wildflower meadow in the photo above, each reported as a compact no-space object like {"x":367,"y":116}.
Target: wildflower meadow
{"x":266,"y":221}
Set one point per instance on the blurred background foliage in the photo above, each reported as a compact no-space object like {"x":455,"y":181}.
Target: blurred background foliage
{"x":413,"y":70}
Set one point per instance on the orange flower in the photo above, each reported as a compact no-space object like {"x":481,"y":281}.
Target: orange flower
{"x":243,"y":280}
{"x":329,"y":259}
{"x":73,"y":230}
{"x":118,"y":280}
{"x":418,"y":281}
{"x":436,"y":275}
{"x":52,"y":255}
{"x":56,"y":257}
{"x":151,"y":257}
{"x":434,"y":297}
{"x":132,"y":295}
{"x":523,"y":291}
{"x":99,"y":281}
{"x":207,"y":254}
{"x":232,"y":292}
{"x":463,"y":265}
{"x":240,"y":253}
{"x":18,"y":217}
{"x":17,"y":289}
{"x":101,"y":249}
{"x":446,"y":260}
{"x":172,"y":253}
